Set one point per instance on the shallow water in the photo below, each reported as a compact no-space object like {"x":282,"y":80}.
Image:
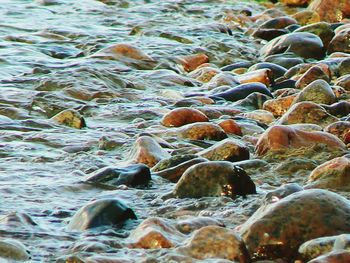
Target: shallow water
{"x":46,"y":66}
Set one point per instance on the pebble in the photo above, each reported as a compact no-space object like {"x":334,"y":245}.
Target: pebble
{"x":202,"y":131}
{"x":318,"y":91}
{"x":182,"y":116}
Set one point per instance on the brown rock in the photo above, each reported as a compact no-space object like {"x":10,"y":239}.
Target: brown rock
{"x":230,"y":127}
{"x":331,"y":10}
{"x":316,"y":72}
{"x":123,"y":50}
{"x":339,"y":129}
{"x":338,"y":256}
{"x":306,"y":17}
{"x":318,"y":92}
{"x":192,"y":62}
{"x":182,"y":116}
{"x":340,"y":42}
{"x":334,"y":174}
{"x":263,"y":116}
{"x":279,"y":106}
{"x":70,"y":118}
{"x":277,"y":230}
{"x":316,"y":247}
{"x":280,"y":139}
{"x":204,"y":74}
{"x":202,"y":131}
{"x":215,"y":242}
{"x":321,"y":29}
{"x":189,"y":225}
{"x":264,"y":76}
{"x":295,"y":2}
{"x":344,"y":82}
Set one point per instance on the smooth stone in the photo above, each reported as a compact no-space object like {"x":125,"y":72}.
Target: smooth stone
{"x":105,"y":212}
{"x":70,"y":118}
{"x":300,"y":3}
{"x":279,"y":106}
{"x":231,"y":150}
{"x":277,"y":70}
{"x":18,"y":219}
{"x":277,"y":230}
{"x":249,"y":128}
{"x":155,"y":233}
{"x":339,"y":109}
{"x":230,"y":127}
{"x":100,"y":259}
{"x":280,"y":139}
{"x":222,"y":79}
{"x":318,"y":91}
{"x":237,"y":65}
{"x":123,"y":51}
{"x":202,"y":131}
{"x":262,"y":116}
{"x":215,"y":178}
{"x":331,"y":10}
{"x":215,"y":242}
{"x":286,"y":60}
{"x":189,"y":225}
{"x":339,"y":129}
{"x":133,"y":175}
{"x":306,"y":127}
{"x":307,"y":112}
{"x":340,"y":42}
{"x":147,"y":151}
{"x":303,"y":44}
{"x":321,"y":29}
{"x":334,"y":174}
{"x":174,"y":173}
{"x":191,"y":62}
{"x":306,"y":17}
{"x":344,"y":81}
{"x":173,"y":161}
{"x":252,"y":102}
{"x":13,"y":250}
{"x":316,"y":247}
{"x":344,"y":67}
{"x":281,"y":192}
{"x":278,"y":22}
{"x":317,"y":72}
{"x":337,"y":256}
{"x":182,"y":116}
{"x":242,"y":91}
{"x":204,"y":74}
{"x":264,"y":76}
{"x":269,"y":33}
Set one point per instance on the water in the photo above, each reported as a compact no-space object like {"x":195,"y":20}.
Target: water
{"x":46,"y":64}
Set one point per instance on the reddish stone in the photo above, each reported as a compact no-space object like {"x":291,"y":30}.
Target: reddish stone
{"x":192,"y":62}
{"x":182,"y":116}
{"x":230,"y":127}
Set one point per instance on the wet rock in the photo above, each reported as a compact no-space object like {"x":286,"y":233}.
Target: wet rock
{"x":303,"y":44}
{"x":339,"y":109}
{"x":227,"y":150}
{"x":250,"y":128}
{"x":242,"y":91}
{"x":339,"y":129}
{"x":306,"y":17}
{"x":70,"y":118}
{"x":281,"y":139}
{"x":277,"y":70}
{"x":331,"y":10}
{"x":277,"y":230}
{"x":148,"y":151}
{"x":215,"y":242}
{"x":281,"y":192}
{"x":316,"y":247}
{"x":264,"y":76}
{"x":189,"y":225}
{"x":202,"y":131}
{"x":344,"y":67}
{"x":307,"y":112}
{"x":214,"y":178}
{"x":155,"y":233}
{"x":204,"y":74}
{"x":108,"y":143}
{"x":100,"y":259}
{"x":182,"y":116}
{"x":252,"y":102}
{"x":318,"y":72}
{"x":334,"y":174}
{"x":278,"y":22}
{"x":318,"y":92}
{"x":340,"y":42}
{"x":321,"y":29}
{"x":344,"y":82}
{"x":123,"y":51}
{"x":230,"y":127}
{"x":222,"y":79}
{"x":338,"y":256}
{"x":268,"y":33}
{"x":279,"y":106}
{"x":262,"y":116}
{"x":286,"y":60}
{"x":174,"y":173}
{"x":173,"y":161}
{"x":133,"y":175}
{"x":13,"y":250}
{"x":105,"y":212}
{"x":192,"y":62}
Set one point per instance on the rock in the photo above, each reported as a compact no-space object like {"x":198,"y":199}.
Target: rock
{"x":173,"y":161}
{"x":105,"y":212}
{"x":174,"y":173}
{"x":262,"y":116}
{"x":344,"y":67}
{"x":278,"y":22}
{"x":192,"y":62}
{"x":182,"y":116}
{"x":331,"y":10}
{"x":17,"y":219}
{"x":344,"y":82}
{"x":339,"y":109}
{"x":268,"y":33}
{"x":334,"y":174}
{"x":147,"y":151}
{"x":316,"y":247}
{"x":216,"y":178}
{"x":340,"y":42}
{"x":189,"y":225}
{"x":317,"y":72}
{"x":318,"y":92}
{"x":321,"y":29}
{"x":307,"y":112}
{"x":155,"y":233}
{"x":13,"y":250}
{"x":99,"y":259}
{"x":281,"y":192}
{"x":70,"y":118}
{"x":252,"y":102}
{"x":277,"y":230}
{"x":202,"y":131}
{"x":132,"y":175}
{"x":296,"y":2}
{"x":339,"y":129}
{"x":286,"y":60}
{"x":281,"y":139}
{"x":279,"y":106}
{"x":264,"y":76}
{"x":242,"y":91}
{"x":215,"y":242}
{"x":303,"y":44}
{"x":204,"y":74}
{"x":306,"y":17}
{"x":277,"y":70}
{"x":230,"y":127}
{"x":222,"y":79}
{"x":232,"y":150}
{"x":338,"y":256}
{"x":123,"y":51}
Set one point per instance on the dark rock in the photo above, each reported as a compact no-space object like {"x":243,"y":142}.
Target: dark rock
{"x":321,"y":29}
{"x":286,"y":60}
{"x":278,"y":71}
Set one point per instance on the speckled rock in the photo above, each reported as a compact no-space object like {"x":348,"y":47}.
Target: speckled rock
{"x":281,"y":139}
{"x":147,"y":151}
{"x":331,"y":10}
{"x":281,"y":192}
{"x":232,"y":150}
{"x":173,"y":161}
{"x":307,"y":112}
{"x":70,"y":118}
{"x":230,"y":127}
{"x":318,"y":92}
{"x":340,"y":42}
{"x":337,"y":256}
{"x":344,"y":67}
{"x":262,"y":116}
{"x":13,"y":250}
{"x":204,"y":74}
{"x":215,"y":242}
{"x":334,"y":174}
{"x":339,"y":129}
{"x":344,"y":82}
{"x":182,"y":116}
{"x":104,"y":212}
{"x":123,"y":51}
{"x":321,"y":29}
{"x":202,"y":131}
{"x":189,"y":225}
{"x":306,"y":17}
{"x":317,"y":72}
{"x":316,"y":247}
{"x":303,"y":44}
{"x":279,"y":106}
{"x":214,"y":178}
{"x":155,"y":233}
{"x":132,"y":175}
{"x":277,"y":230}
{"x":221,"y":79}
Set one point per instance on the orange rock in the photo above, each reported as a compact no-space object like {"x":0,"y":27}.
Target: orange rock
{"x":320,"y":71}
{"x":279,"y":106}
{"x":331,"y":10}
{"x":204,"y":74}
{"x":182,"y":116}
{"x":202,"y":131}
{"x":295,"y":2}
{"x":192,"y":62}
{"x":124,"y":50}
{"x":230,"y":127}
{"x":264,"y":76}
{"x":339,"y":129}
{"x":279,"y":139}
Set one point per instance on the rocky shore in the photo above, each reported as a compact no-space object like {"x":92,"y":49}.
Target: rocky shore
{"x":176,"y":131}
